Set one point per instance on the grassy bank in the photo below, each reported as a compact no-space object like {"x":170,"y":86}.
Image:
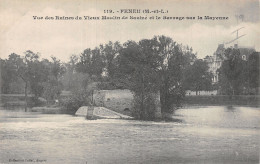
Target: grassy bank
{"x":244,"y":100}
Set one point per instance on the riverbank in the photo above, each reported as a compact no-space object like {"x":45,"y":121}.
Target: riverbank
{"x":215,"y":100}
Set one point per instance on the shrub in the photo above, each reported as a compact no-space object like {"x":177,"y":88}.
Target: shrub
{"x":72,"y":104}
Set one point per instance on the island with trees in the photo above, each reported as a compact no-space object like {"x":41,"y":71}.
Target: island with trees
{"x":157,"y":71}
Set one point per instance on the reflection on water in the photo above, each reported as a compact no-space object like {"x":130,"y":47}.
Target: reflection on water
{"x":205,"y":135}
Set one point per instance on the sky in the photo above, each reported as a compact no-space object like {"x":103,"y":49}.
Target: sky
{"x":62,"y":38}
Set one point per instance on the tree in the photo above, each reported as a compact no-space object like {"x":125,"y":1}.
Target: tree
{"x":171,"y":65}
{"x":111,"y":51}
{"x":110,"y":79}
{"x":31,"y":71}
{"x":91,"y":62}
{"x":52,"y":89}
{"x":231,"y":72}
{"x":36,"y":73}
{"x":135,"y":65}
{"x":52,"y":86}
{"x":189,"y":56}
{"x":70,"y":70}
{"x":253,"y":70}
{"x":155,"y":66}
{"x":19,"y":68}
{"x":82,"y":74}
{"x":8,"y":75}
{"x":197,"y":77}
{"x":56,"y":68}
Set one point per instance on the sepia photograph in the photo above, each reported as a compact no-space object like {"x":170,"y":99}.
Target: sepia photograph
{"x":127,"y":81}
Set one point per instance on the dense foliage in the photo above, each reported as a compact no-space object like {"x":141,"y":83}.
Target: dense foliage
{"x":238,"y":76}
{"x":197,"y":77}
{"x":39,"y":77}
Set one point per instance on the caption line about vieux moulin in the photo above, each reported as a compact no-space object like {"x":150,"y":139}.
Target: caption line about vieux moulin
{"x":131,"y":17}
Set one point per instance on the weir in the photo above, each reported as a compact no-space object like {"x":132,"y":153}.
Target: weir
{"x":91,"y":112}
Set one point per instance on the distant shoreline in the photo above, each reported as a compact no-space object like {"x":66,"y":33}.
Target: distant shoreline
{"x":216,"y":100}
{"x":9,"y":100}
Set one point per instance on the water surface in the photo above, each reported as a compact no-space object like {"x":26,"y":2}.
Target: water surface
{"x":205,"y":135}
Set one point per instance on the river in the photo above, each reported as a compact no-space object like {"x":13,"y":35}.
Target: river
{"x":214,"y":134}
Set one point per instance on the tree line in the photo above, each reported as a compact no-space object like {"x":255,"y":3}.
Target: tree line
{"x":28,"y":74}
{"x":155,"y":70}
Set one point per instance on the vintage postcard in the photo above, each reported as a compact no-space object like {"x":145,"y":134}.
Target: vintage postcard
{"x":127,"y":81}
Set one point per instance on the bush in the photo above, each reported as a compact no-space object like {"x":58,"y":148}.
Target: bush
{"x":81,"y":97}
{"x":72,"y":104}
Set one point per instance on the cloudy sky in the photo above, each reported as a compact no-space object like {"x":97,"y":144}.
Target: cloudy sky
{"x":62,"y":38}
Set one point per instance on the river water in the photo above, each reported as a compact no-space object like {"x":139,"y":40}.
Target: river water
{"x":202,"y":135}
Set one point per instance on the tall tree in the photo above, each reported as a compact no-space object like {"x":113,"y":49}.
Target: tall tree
{"x":171,"y":66}
{"x":135,"y":65}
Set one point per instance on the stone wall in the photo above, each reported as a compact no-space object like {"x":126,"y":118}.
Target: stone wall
{"x":120,"y":101}
{"x":117,"y":100}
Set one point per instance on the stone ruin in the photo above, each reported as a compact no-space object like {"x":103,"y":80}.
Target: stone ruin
{"x":116,"y":100}
{"x":119,"y":101}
